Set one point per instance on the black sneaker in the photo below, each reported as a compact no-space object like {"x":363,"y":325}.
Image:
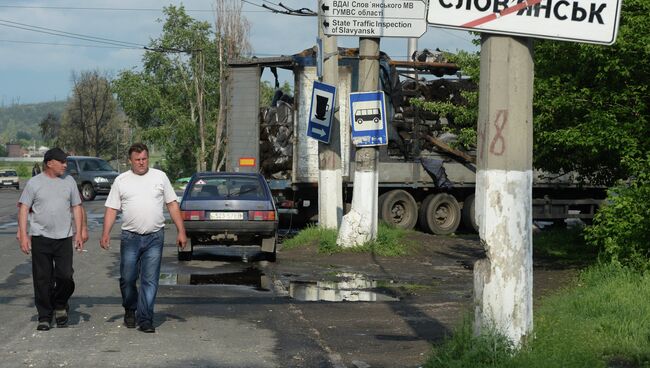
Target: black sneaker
{"x":43,"y":326}
{"x":129,"y":318}
{"x":147,"y":327}
{"x":61,"y":317}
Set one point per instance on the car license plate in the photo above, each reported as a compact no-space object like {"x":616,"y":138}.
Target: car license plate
{"x":226,"y":215}
{"x":7,"y":183}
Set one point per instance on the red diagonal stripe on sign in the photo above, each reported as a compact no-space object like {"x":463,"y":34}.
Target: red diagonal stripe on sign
{"x":506,"y":11}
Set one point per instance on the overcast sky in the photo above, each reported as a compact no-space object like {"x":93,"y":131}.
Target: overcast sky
{"x":36,"y":66}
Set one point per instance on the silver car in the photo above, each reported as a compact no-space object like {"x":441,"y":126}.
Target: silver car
{"x":9,"y":178}
{"x":221,"y":208}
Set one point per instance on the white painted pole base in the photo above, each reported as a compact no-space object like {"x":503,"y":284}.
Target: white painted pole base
{"x":503,"y":291}
{"x":330,"y":199}
{"x":359,"y":226}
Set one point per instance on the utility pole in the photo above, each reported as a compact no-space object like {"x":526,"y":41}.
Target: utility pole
{"x":330,"y":183}
{"x":360,"y":224}
{"x":412,"y":47}
{"x":503,"y":281}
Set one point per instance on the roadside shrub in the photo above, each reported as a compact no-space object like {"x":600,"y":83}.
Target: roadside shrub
{"x":23,"y":171}
{"x":621,"y":226}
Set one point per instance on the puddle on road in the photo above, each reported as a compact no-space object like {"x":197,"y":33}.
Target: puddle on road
{"x":351,"y":288}
{"x":250,"y":277}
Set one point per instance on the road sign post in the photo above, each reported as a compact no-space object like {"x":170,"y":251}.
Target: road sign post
{"x":368,"y":118}
{"x":374,"y":18}
{"x":321,"y":111}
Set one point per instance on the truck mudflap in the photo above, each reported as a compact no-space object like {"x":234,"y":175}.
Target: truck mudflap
{"x":434,"y":167}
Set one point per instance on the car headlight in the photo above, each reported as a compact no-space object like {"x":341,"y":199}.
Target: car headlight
{"x":100,"y":179}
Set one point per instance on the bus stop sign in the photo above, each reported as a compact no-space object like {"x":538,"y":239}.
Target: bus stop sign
{"x":368,"y":118}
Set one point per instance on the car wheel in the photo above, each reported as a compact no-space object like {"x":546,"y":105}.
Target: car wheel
{"x":87,"y":192}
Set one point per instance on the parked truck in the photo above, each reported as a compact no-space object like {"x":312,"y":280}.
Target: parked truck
{"x":422,"y":180}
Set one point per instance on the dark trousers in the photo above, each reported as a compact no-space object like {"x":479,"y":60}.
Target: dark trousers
{"x":52,"y":272}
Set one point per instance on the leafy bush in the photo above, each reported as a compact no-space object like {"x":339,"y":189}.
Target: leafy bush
{"x":23,"y":171}
{"x":621,"y":226}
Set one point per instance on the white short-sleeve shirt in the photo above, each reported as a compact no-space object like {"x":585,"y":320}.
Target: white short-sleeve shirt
{"x":141,"y":199}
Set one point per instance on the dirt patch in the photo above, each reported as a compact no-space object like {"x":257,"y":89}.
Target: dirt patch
{"x":432,"y":288}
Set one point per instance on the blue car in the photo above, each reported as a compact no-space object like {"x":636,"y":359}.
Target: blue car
{"x":221,"y":208}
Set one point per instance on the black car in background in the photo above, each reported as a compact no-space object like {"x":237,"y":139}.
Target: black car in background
{"x":226,"y":209}
{"x":92,"y":174}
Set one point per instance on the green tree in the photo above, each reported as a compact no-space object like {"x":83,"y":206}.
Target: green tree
{"x":23,"y":136}
{"x":168,"y":99}
{"x":91,"y":118}
{"x":50,"y":127}
{"x":591,"y":102}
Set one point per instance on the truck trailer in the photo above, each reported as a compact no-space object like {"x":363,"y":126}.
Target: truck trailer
{"x":422,"y":180}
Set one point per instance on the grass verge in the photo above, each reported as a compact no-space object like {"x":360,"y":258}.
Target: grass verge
{"x":390,"y":241}
{"x":563,"y":247}
{"x":601,"y":321}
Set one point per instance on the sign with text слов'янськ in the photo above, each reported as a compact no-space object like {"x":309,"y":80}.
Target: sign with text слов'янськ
{"x":368,"y":118}
{"x":590,"y":21}
{"x":321,"y":111}
{"x":373,"y":18}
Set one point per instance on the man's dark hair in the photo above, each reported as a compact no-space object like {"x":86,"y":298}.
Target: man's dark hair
{"x":138,"y":147}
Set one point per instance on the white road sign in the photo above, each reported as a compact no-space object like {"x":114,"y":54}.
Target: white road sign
{"x":590,"y":21}
{"x":373,"y":18}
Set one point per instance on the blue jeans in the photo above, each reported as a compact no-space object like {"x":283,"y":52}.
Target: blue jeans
{"x":140,"y":257}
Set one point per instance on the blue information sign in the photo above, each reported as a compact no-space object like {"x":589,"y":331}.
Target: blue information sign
{"x":368,"y":118}
{"x":321,"y":111}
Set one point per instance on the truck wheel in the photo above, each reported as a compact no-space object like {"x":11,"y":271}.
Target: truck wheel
{"x":87,"y":192}
{"x":440,"y":214}
{"x":469,"y":213}
{"x":399,"y":209}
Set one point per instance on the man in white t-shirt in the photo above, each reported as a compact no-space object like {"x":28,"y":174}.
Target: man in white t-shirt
{"x":140,"y":194}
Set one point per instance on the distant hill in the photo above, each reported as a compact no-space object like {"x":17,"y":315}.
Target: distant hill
{"x":21,"y":121}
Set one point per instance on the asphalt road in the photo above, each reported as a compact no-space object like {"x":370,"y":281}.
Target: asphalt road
{"x":226,"y":309}
{"x":239,"y":321}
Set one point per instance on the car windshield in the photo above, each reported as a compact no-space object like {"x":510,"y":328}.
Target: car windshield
{"x":95,"y":165}
{"x":248,"y":188}
{"x":8,"y":173}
